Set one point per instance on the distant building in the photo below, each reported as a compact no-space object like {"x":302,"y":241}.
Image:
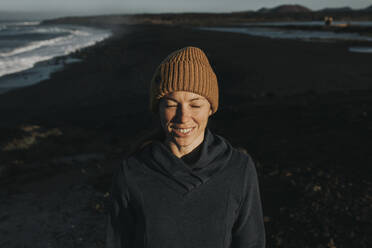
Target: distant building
{"x":328,"y":20}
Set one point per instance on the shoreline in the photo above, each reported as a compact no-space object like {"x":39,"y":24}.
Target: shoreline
{"x":39,"y":72}
{"x":43,"y":69}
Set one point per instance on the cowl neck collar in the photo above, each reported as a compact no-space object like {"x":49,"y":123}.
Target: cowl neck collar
{"x":214,"y":156}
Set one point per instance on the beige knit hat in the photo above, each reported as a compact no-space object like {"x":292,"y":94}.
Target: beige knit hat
{"x":187,"y":69}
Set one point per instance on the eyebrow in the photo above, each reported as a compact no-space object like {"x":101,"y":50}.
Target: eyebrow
{"x":195,"y":99}
{"x":191,"y":100}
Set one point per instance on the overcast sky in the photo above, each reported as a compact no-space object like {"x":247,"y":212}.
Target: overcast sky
{"x":156,"y":6}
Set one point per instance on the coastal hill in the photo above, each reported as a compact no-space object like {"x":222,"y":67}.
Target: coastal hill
{"x":287,"y":8}
{"x":368,"y":8}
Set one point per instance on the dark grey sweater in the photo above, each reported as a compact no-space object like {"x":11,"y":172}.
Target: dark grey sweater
{"x":159,"y":201}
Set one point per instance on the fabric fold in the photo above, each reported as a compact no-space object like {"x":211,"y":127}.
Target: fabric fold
{"x":214,"y":156}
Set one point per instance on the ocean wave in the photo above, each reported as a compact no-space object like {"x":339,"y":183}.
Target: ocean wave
{"x":17,"y":25}
{"x":79,"y":32}
{"x":70,"y":33}
{"x":60,"y":30}
{"x":49,"y":30}
{"x":74,"y":47}
{"x":27,"y":23}
{"x":26,"y":57}
{"x":12,"y":65}
{"x":21,"y":31}
{"x":34,"y":45}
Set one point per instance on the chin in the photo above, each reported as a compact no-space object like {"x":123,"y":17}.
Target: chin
{"x":183,"y":141}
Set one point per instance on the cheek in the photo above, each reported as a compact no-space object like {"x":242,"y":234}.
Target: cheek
{"x":166,"y":117}
{"x":203,"y":119}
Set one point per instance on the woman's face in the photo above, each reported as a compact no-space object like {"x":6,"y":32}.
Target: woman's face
{"x":184,"y":117}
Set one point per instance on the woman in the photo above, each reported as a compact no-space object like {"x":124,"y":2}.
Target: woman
{"x":190,"y":188}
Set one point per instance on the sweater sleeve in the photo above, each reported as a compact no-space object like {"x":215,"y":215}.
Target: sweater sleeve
{"x":248,"y":230}
{"x":120,"y":219}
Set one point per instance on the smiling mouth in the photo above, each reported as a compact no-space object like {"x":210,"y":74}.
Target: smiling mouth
{"x":183,"y":131}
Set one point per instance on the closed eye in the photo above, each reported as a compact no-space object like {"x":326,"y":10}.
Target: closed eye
{"x":195,"y":106}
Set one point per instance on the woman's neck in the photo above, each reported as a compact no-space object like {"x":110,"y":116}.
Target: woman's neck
{"x":180,"y":151}
{"x":193,"y":156}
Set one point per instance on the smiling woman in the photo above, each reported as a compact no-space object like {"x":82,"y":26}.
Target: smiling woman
{"x":188,"y":188}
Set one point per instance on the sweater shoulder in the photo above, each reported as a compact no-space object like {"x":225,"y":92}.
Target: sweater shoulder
{"x":246,"y":157}
{"x":136,"y":158}
{"x":242,"y":155}
{"x":247,"y":165}
{"x":241,"y":159}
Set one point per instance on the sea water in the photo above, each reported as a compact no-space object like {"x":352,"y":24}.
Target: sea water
{"x":23,"y":44}
{"x":310,"y":23}
{"x":273,"y":30}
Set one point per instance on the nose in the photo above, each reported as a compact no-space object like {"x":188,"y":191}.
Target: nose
{"x":183,"y":114}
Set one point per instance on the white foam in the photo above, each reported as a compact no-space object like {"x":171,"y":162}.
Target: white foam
{"x":27,"y":23}
{"x":33,"y":46}
{"x":18,"y":24}
{"x":29,"y":77}
{"x":79,"y":32}
{"x":43,"y":30}
{"x":26,"y":57}
{"x":34,"y":74}
{"x":12,"y":65}
{"x":49,"y":30}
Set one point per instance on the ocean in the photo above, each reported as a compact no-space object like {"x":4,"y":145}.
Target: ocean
{"x":24,"y":44}
{"x":273,"y":30}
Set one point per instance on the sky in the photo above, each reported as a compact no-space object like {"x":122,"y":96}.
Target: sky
{"x":157,"y":6}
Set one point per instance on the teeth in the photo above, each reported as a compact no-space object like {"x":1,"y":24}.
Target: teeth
{"x":184,"y":130}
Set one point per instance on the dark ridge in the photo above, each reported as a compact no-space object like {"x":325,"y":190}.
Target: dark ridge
{"x":287,"y":8}
{"x":369,"y":8}
{"x":342,"y":9}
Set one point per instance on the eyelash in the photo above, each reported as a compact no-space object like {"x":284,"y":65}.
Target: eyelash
{"x":173,"y":106}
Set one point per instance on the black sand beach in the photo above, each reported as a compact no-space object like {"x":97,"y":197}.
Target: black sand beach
{"x":303,"y":110}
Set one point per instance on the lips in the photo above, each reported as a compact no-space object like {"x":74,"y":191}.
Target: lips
{"x":182,"y":132}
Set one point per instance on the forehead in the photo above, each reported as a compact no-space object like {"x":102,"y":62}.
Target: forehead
{"x":183,"y":96}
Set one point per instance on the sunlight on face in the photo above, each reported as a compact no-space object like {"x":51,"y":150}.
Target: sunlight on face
{"x":184,"y":117}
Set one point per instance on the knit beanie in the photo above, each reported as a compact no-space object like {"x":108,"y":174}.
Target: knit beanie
{"x":187,"y":69}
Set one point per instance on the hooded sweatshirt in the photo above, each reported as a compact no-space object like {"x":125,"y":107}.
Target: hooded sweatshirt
{"x":159,"y":201}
